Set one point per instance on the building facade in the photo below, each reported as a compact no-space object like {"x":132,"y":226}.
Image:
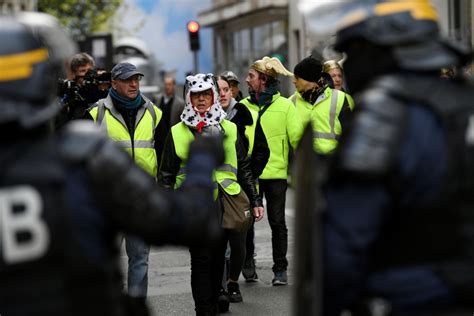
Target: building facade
{"x":246,"y":30}
{"x":8,"y":6}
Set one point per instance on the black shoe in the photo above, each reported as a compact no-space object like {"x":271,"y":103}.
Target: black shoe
{"x":280,"y":278}
{"x":137,"y":306}
{"x":234,"y":292}
{"x":248,"y":271}
{"x":223,"y":302}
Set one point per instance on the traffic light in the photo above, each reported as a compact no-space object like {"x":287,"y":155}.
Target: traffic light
{"x":193,"y":30}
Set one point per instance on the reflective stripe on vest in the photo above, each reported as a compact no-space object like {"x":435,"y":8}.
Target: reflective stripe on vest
{"x":142,"y":148}
{"x":324,"y":116}
{"x":224,"y":168}
{"x":226,"y":174}
{"x":332,"y":118}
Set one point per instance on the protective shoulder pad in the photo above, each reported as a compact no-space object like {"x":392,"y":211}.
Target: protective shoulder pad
{"x":369,"y":147}
{"x":80,"y":139}
{"x":431,"y":91}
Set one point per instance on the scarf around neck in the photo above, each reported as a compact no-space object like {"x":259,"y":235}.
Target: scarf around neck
{"x":124,"y":102}
{"x":311,"y":96}
{"x":264,"y":97}
{"x":231,"y":110}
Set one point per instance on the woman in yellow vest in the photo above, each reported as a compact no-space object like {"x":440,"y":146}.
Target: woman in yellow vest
{"x":203,"y":115}
{"x":246,"y":121}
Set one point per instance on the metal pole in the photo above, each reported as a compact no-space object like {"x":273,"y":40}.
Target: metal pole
{"x":196,"y":62}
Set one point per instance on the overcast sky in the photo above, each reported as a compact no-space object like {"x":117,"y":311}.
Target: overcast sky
{"x":166,"y":34}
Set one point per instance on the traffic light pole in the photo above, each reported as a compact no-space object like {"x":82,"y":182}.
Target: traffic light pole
{"x":196,"y":62}
{"x":193,"y":31}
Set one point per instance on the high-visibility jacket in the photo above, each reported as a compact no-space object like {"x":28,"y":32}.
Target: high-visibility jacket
{"x":282,"y":128}
{"x":324,"y":117}
{"x":142,"y":146}
{"x":350,"y":100}
{"x":226,"y":174}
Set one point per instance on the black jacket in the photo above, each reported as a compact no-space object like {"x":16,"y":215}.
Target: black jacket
{"x":170,"y":165}
{"x":80,"y":191}
{"x":260,"y":152}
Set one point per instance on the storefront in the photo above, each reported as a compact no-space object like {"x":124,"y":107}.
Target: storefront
{"x":244,"y":31}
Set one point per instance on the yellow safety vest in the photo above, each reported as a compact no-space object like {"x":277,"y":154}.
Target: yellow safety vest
{"x":281,"y":126}
{"x":142,"y":147}
{"x":226,"y":174}
{"x":350,"y":100}
{"x":324,"y":116}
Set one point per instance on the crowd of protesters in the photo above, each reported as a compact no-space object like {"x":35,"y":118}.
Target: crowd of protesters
{"x":262,"y":130}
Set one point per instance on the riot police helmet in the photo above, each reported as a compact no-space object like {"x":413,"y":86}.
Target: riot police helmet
{"x":409,"y":28}
{"x":32,"y":57}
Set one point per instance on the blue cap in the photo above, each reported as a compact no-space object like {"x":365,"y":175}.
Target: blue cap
{"x":123,"y":71}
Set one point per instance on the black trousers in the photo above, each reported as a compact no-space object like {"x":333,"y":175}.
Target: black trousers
{"x":274,"y":192}
{"x":207,"y":267}
{"x":237,"y":253}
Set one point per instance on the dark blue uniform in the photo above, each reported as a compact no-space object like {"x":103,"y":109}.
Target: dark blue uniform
{"x":63,"y":202}
{"x":393,"y":221}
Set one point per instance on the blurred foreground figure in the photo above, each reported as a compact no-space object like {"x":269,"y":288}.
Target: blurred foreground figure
{"x":65,"y":197}
{"x":398,"y":224}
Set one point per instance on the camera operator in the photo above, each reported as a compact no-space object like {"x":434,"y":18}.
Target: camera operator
{"x":84,"y":86}
{"x":79,"y":65}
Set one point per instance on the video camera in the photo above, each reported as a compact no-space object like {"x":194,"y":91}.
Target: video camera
{"x":93,"y":87}
{"x":76,"y":98}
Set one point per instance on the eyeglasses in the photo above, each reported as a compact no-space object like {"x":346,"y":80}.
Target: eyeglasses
{"x":205,"y":94}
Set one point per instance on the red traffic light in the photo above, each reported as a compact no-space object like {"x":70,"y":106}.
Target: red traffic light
{"x":193,"y":26}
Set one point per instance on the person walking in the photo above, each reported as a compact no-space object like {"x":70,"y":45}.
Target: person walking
{"x":279,"y":123}
{"x":134,"y":122}
{"x":317,"y":103}
{"x":203,"y":115}
{"x":246,"y":121}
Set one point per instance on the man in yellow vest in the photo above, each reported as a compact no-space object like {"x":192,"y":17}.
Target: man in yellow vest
{"x":133,"y":122}
{"x":317,"y":102}
{"x":278,"y":121}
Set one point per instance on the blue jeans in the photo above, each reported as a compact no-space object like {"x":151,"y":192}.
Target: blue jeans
{"x":137,"y":252}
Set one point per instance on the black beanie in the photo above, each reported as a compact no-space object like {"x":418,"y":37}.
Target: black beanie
{"x":309,"y":69}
